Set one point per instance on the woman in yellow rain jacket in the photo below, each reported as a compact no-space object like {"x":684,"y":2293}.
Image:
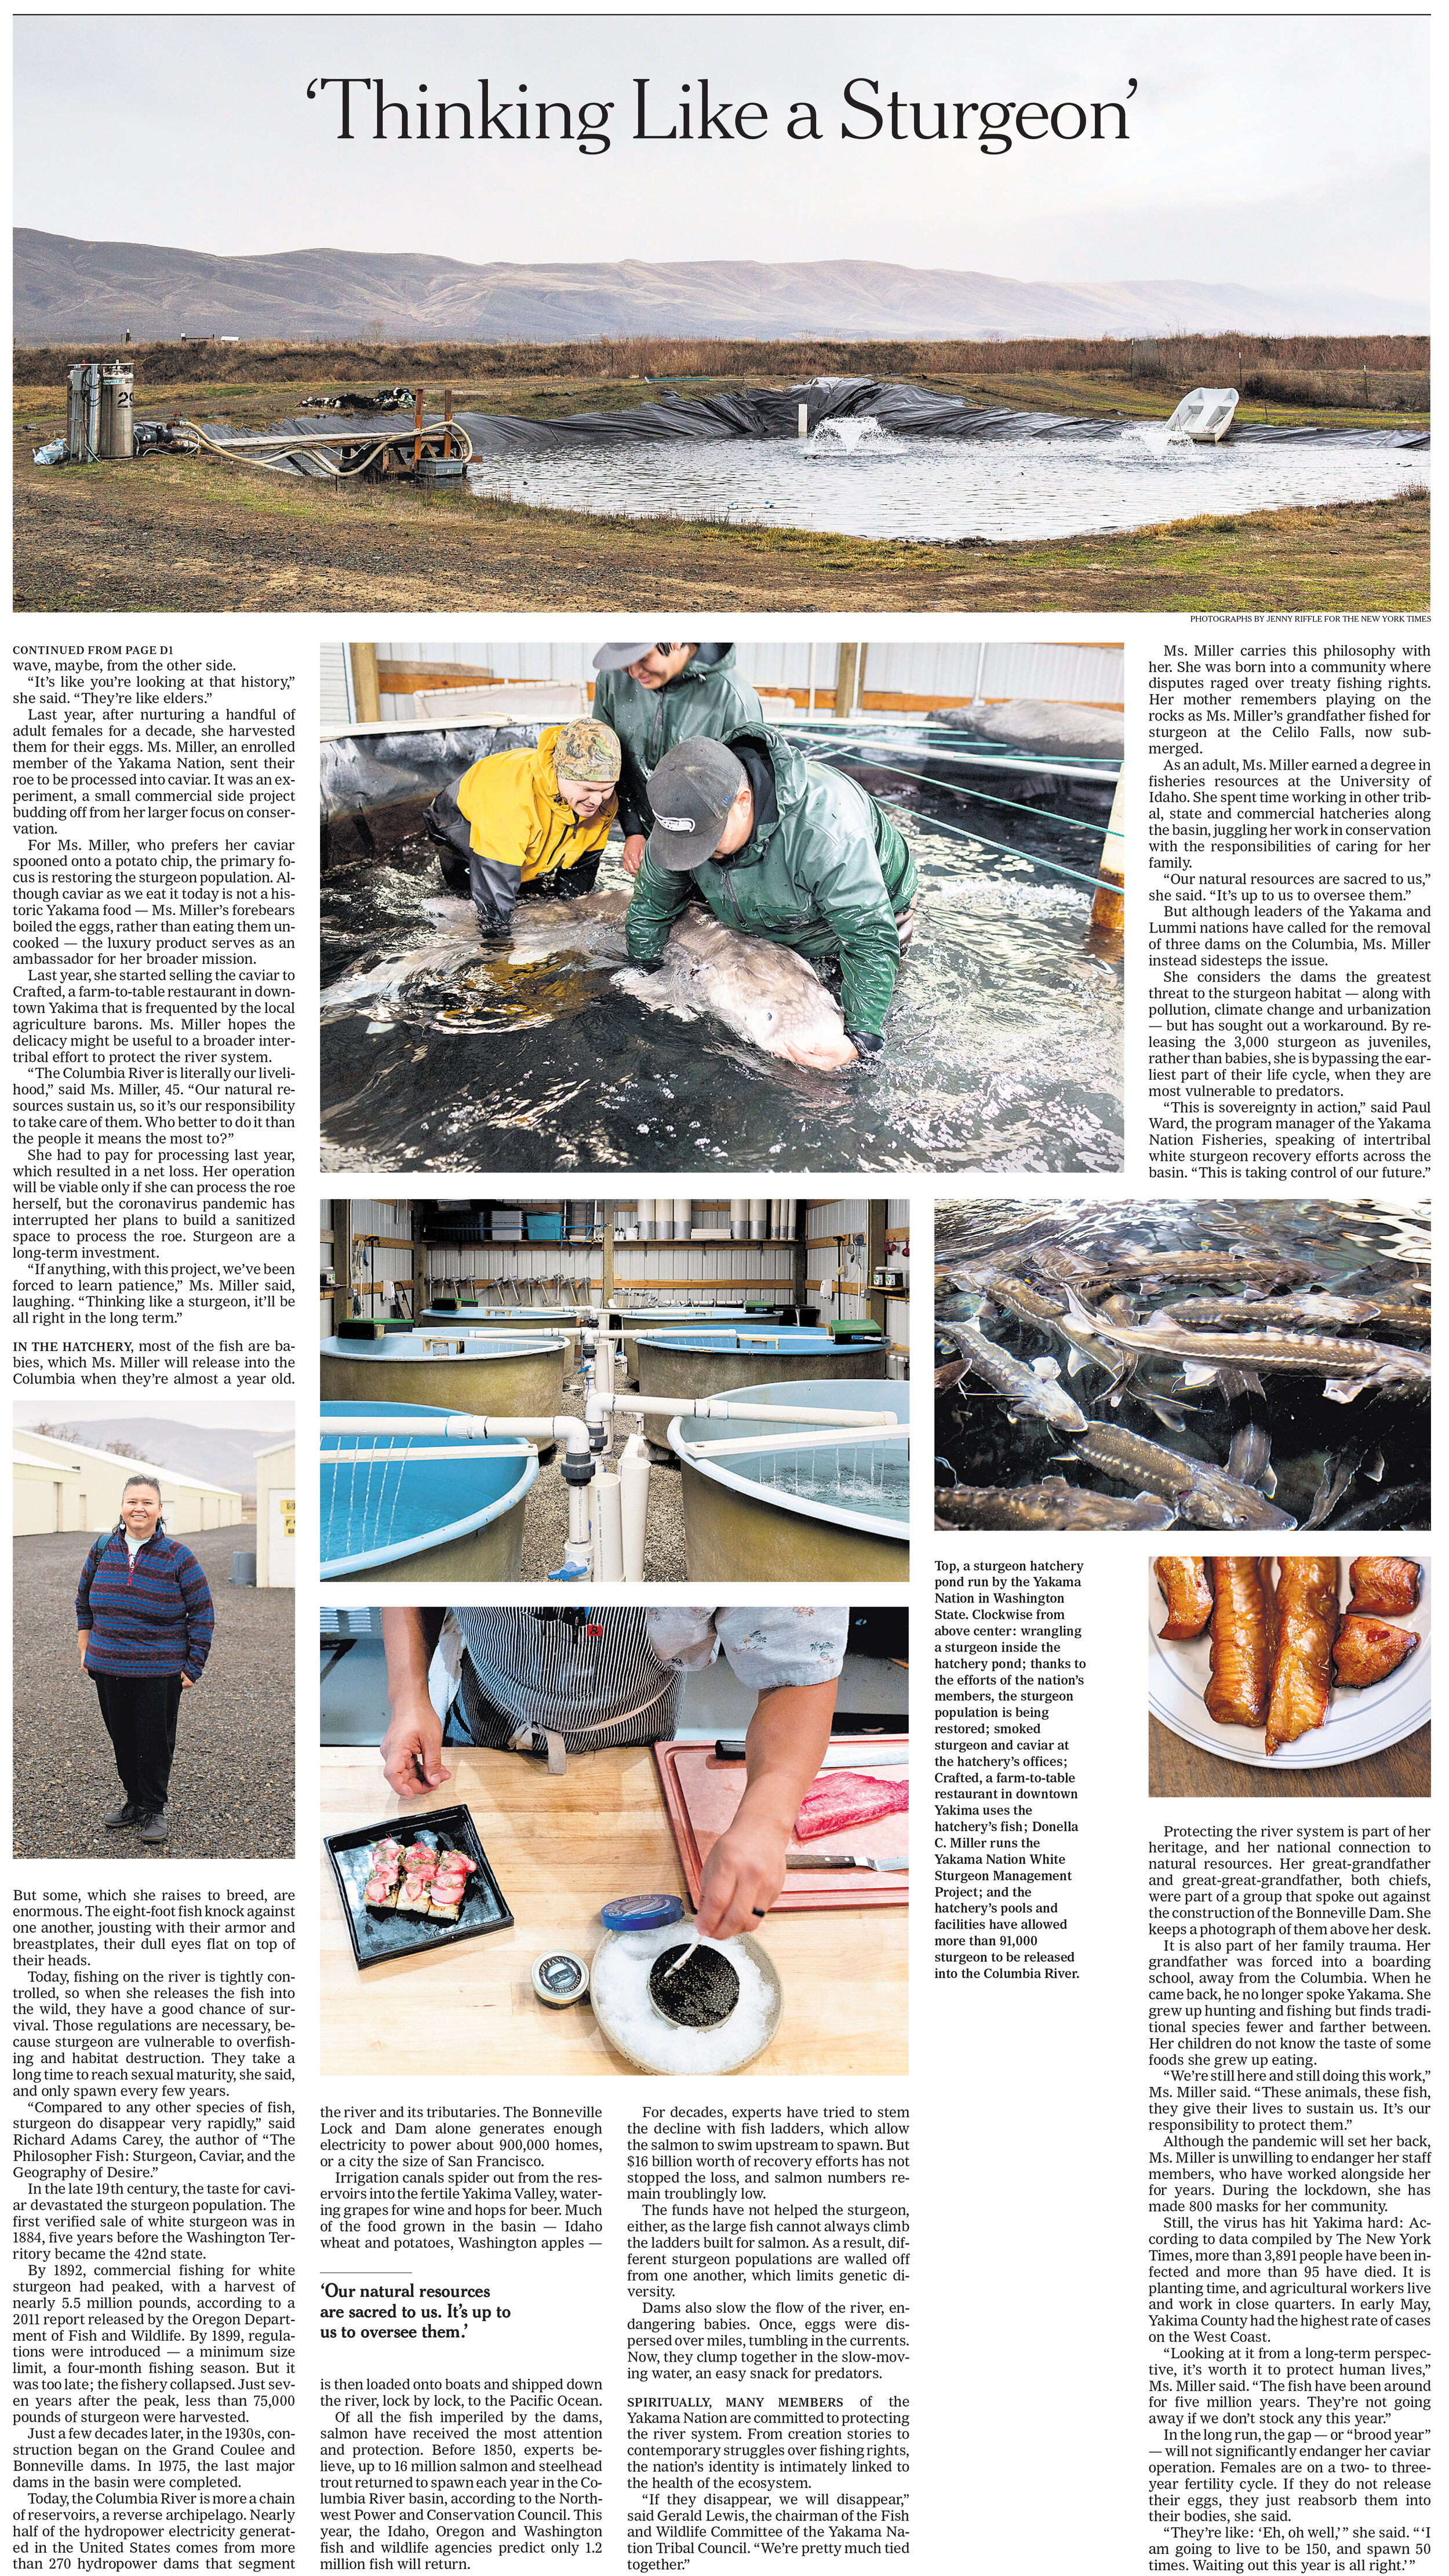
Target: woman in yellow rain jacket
{"x":529,"y":823}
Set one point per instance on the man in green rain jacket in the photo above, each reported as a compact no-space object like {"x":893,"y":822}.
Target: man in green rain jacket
{"x":655,"y":695}
{"x":785,"y":849}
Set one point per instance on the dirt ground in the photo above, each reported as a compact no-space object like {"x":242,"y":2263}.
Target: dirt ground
{"x":188,"y":533}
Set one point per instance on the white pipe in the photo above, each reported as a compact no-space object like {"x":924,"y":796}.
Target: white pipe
{"x":464,"y":1426}
{"x":792,"y":1213}
{"x":634,"y":1504}
{"x":405,"y":1457}
{"x":608,"y":1528}
{"x":683,"y":1218}
{"x":644,"y":1217}
{"x":786,"y":1440}
{"x":720,"y":1408}
{"x":604,"y":1364}
{"x":759,"y":1219}
{"x":740,"y":1208}
{"x":977,"y":693}
{"x":811,"y":708}
{"x":578,"y":1551}
{"x":804,"y":420}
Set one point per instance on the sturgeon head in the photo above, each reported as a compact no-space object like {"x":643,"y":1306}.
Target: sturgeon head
{"x":762,"y":992}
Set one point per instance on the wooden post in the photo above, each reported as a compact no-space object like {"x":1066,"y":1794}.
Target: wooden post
{"x":419,"y":1260}
{"x":363,"y":658}
{"x":845,"y":678}
{"x":341,"y":1262}
{"x":1109,"y":903}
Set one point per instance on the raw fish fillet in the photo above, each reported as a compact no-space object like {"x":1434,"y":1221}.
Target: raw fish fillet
{"x":846,"y":1798}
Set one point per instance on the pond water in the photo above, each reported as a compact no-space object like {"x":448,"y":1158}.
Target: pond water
{"x":850,"y":478}
{"x":1003,"y":1045}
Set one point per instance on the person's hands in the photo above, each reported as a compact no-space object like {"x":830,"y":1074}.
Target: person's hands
{"x":826,"y":1056}
{"x":412,"y":1749}
{"x":83,"y":1640}
{"x":742,"y":1876}
{"x":635,"y":846}
{"x":188,"y":1681}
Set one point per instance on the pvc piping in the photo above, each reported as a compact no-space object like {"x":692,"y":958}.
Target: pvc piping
{"x":719,"y":1408}
{"x":759,"y":1219}
{"x":608,"y":1529}
{"x":787,"y":1440}
{"x":461,"y":1426}
{"x":740,"y":1208}
{"x":683,"y":1217}
{"x":634,"y":1504}
{"x":404,"y":1457}
{"x":803,"y":410}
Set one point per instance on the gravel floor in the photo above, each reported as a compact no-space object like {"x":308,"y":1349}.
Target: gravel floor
{"x":546,"y":1516}
{"x":232,"y":1788}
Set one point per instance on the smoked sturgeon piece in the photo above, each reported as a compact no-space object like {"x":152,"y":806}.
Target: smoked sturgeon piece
{"x":1368,"y":1650}
{"x":1307,"y":1620}
{"x":846,"y":1798}
{"x":1186,"y":1585}
{"x":1237,"y":1691}
{"x":1384,"y":1586}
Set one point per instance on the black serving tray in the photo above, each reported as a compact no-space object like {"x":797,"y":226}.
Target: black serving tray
{"x":376,"y":1937}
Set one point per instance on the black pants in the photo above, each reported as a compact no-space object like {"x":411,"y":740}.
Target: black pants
{"x":140,"y":1714}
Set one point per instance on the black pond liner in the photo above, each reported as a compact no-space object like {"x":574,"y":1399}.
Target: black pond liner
{"x":702,"y":1995}
{"x":904,"y":410}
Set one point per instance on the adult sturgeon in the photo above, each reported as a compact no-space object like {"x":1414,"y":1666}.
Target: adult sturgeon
{"x":757,"y":989}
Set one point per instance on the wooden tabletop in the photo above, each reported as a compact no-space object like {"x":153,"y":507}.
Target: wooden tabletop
{"x":561,"y":1848}
{"x":1177,"y":1769}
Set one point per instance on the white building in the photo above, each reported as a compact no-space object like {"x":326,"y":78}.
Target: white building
{"x":277,"y":1514}
{"x":90,"y":1497}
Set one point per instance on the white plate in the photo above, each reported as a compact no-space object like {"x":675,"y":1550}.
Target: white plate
{"x":1359,"y":1722}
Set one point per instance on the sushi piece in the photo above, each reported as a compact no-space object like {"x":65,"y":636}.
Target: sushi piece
{"x":1368,"y":1650}
{"x":1186,"y":1585}
{"x":415,"y":1896}
{"x":1384,"y":1587}
{"x":1241,"y":1665}
{"x":388,"y":1849}
{"x":380,"y":1894}
{"x":420,"y":1860}
{"x":1307,"y":1614}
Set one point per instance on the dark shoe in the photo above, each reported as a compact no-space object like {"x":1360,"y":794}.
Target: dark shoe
{"x":130,"y":1814}
{"x":157,"y":1828}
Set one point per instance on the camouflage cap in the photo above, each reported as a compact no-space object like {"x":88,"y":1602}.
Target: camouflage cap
{"x":588,"y":753}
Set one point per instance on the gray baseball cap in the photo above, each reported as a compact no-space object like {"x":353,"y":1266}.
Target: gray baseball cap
{"x":691,"y":792}
{"x":617,"y":657}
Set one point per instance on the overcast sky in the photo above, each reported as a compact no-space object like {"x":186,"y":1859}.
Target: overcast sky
{"x":210,"y":1413}
{"x":1281,"y":151}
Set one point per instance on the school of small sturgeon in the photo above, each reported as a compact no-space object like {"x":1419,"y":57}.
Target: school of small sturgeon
{"x":1117,"y":1318}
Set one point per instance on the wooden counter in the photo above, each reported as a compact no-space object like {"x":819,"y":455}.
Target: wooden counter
{"x":1177,"y":1769}
{"x":561,"y":1848}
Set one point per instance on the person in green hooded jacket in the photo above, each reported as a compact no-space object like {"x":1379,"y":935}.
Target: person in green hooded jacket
{"x":786,"y":849}
{"x":655,"y":695}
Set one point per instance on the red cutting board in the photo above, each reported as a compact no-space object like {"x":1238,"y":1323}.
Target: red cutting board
{"x":702,"y":1793}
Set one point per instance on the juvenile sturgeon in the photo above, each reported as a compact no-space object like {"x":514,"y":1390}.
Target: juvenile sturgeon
{"x":1338,"y":1360}
{"x":761,"y":990}
{"x":1264,"y":1311}
{"x":1033,"y":1391}
{"x":1051,"y":1505}
{"x":1029,"y":1306}
{"x":1201,"y":1495}
{"x":1200,"y":1265}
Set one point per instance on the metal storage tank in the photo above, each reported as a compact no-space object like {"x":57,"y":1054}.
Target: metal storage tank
{"x":835,"y":1511}
{"x":395,"y":1509}
{"x":462,"y":1371}
{"x":706,"y":1363}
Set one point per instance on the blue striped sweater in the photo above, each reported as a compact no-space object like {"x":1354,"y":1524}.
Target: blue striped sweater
{"x":151,"y":1616}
